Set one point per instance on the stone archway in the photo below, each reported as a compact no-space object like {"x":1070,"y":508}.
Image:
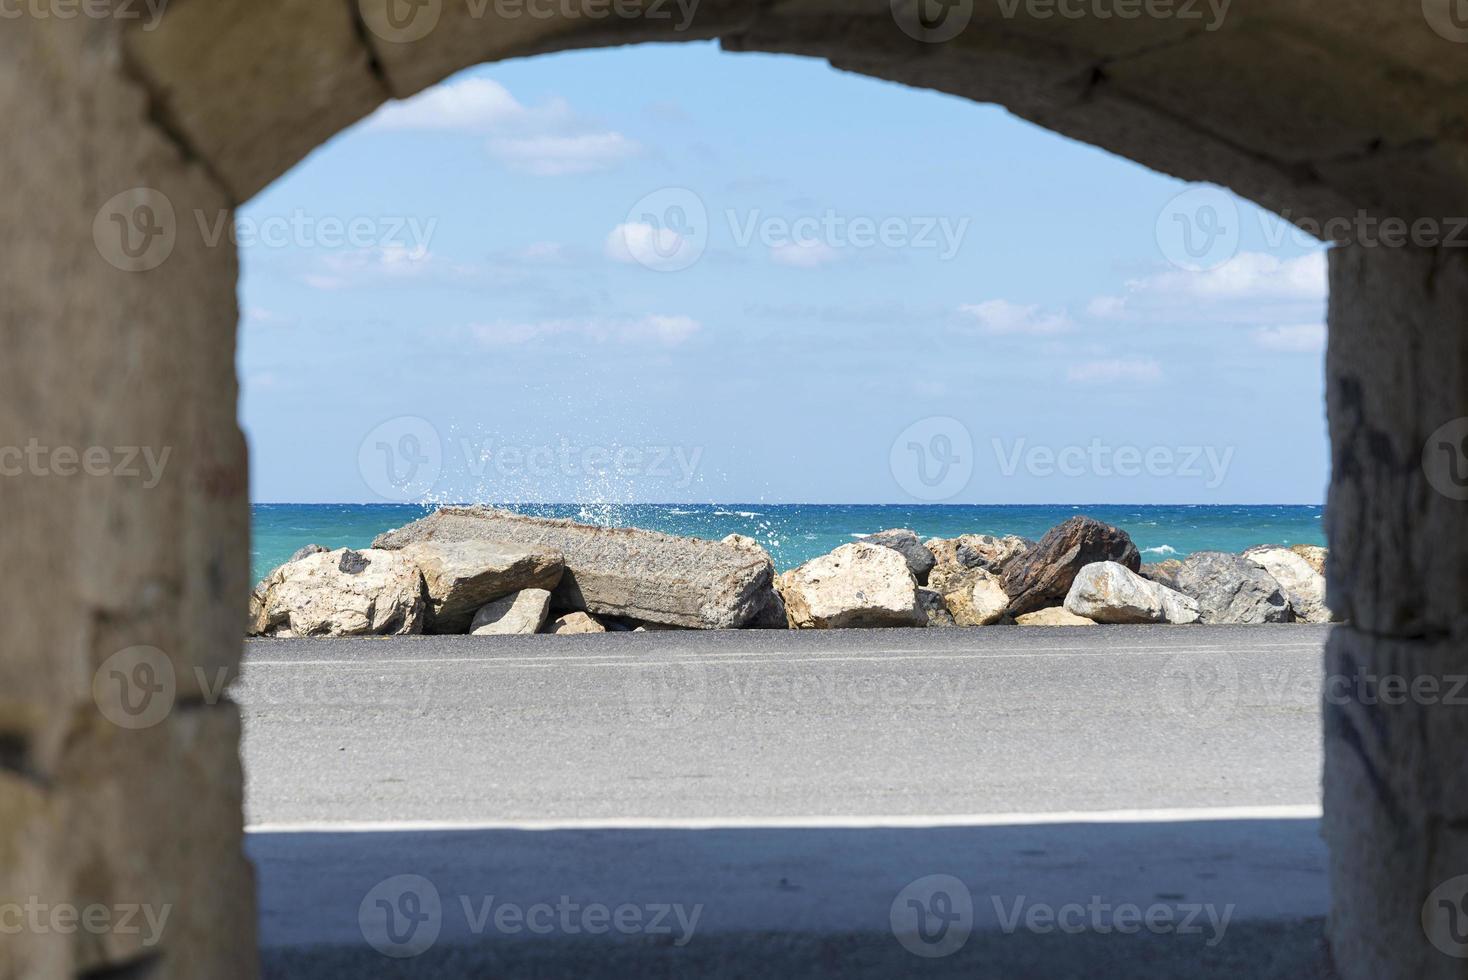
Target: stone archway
{"x":117,"y":319}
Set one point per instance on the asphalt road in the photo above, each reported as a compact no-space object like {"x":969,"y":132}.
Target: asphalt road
{"x":719,"y":726}
{"x":810,"y":804}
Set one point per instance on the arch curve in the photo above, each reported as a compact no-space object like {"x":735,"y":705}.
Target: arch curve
{"x":1312,"y":108}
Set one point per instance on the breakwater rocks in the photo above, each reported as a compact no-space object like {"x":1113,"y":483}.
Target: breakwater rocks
{"x":486,"y":571}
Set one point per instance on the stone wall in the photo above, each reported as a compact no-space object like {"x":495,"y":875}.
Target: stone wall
{"x":1396,"y":787}
{"x":119,"y":775}
{"x":118,"y":586}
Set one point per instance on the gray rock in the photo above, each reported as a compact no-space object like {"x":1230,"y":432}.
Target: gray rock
{"x":906,"y":543}
{"x":519,"y":613}
{"x":463,"y":576}
{"x":936,"y":609}
{"x":307,"y":552}
{"x":1162,"y":572}
{"x":771,"y":605}
{"x":1042,"y":576}
{"x":1110,"y":593}
{"x":978,"y":550}
{"x":1231,"y":589}
{"x":622,"y":572}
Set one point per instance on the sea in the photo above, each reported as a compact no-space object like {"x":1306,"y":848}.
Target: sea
{"x":795,"y":533}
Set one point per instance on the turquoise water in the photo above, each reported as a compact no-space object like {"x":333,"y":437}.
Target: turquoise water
{"x":794,"y":533}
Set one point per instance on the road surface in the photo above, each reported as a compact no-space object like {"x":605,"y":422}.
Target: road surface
{"x":790,"y":786}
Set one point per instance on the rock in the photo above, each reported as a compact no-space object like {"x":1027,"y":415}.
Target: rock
{"x":1054,"y":616}
{"x":1162,"y":572}
{"x":1231,"y":589}
{"x":341,"y":593}
{"x":977,"y":598}
{"x":856,"y":585}
{"x":307,"y":552}
{"x":978,"y":550}
{"x":770,"y":614}
{"x":920,"y":560}
{"x":463,"y":576}
{"x":519,"y":613}
{"x":1303,"y":585}
{"x":935,"y":608}
{"x":1043,"y":575}
{"x":1314,"y":554}
{"x":621,"y":572}
{"x":1110,"y":593}
{"x":573,"y":624}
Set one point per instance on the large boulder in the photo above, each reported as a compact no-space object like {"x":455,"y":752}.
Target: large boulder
{"x":907,"y":544}
{"x":1110,"y":593}
{"x":858,"y":584}
{"x":1303,"y":585}
{"x":463,"y":576}
{"x":978,"y":550}
{"x":975,"y":597}
{"x":771,"y":606}
{"x":516,"y":614}
{"x":341,"y":593}
{"x":1231,"y":589}
{"x":1042,"y":576}
{"x":621,"y":572}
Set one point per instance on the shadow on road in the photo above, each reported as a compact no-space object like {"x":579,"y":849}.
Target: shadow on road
{"x":1138,"y":899}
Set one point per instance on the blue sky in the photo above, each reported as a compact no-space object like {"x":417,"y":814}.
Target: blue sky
{"x":668,"y":273}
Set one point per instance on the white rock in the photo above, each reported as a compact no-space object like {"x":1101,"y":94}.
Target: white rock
{"x":341,"y":593}
{"x":856,"y":585}
{"x":520,"y":613}
{"x":1108,"y":592}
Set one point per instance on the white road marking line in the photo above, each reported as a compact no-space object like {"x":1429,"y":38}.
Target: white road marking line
{"x":1309,"y":811}
{"x":778,"y":656}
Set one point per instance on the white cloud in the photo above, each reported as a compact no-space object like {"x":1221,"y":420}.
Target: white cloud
{"x":547,"y":140}
{"x":1107,"y":307}
{"x":340,"y":270}
{"x":998,"y":316}
{"x":468,"y":105}
{"x":803,"y":255}
{"x":1115,"y":370}
{"x":1247,"y":276}
{"x":543,"y":252}
{"x":666,"y":331}
{"x":640,"y":243}
{"x":1253,"y":288}
{"x":557,"y":156}
{"x":1305,"y":338}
